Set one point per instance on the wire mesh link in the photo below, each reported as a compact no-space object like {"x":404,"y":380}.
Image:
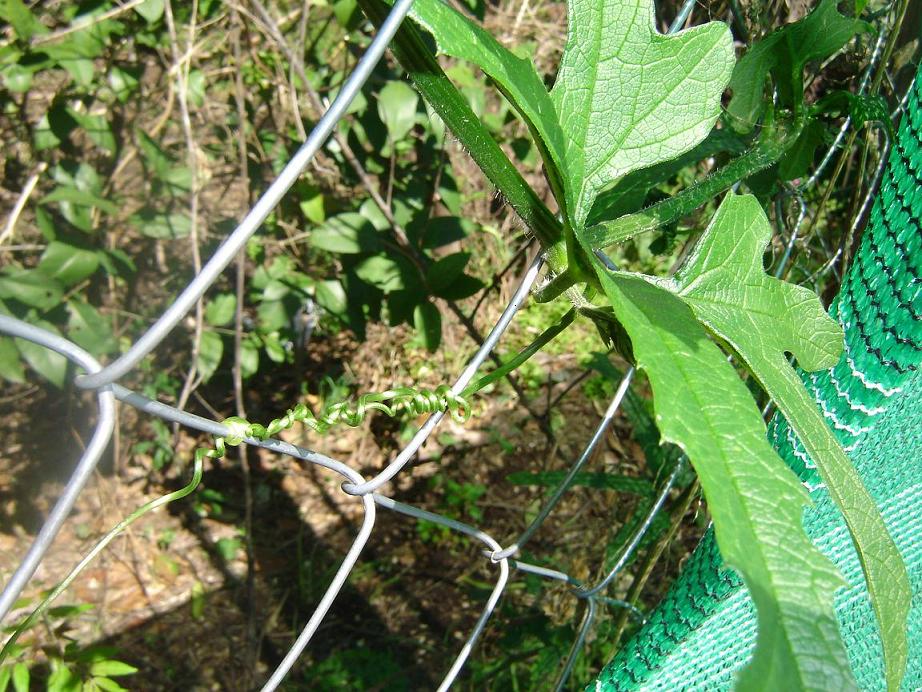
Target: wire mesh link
{"x":103,"y":380}
{"x":105,"y":425}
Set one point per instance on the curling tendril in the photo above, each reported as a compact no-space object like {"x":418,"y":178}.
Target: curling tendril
{"x":392,"y":402}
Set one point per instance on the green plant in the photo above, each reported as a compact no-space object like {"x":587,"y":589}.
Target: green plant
{"x":70,"y":665}
{"x":394,"y":258}
{"x":609,"y":92}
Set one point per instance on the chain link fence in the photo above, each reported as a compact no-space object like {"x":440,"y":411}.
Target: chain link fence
{"x":501,"y":555}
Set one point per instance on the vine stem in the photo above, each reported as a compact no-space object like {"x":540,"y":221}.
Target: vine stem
{"x":768,"y":150}
{"x":450,"y":104}
{"x":105,"y":540}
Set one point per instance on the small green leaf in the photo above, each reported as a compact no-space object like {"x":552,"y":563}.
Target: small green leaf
{"x":10,"y":365}
{"x":274,"y":348}
{"x":397,"y":103}
{"x":249,"y":358}
{"x":66,"y":263}
{"x":164,"y":226}
{"x":762,"y":319}
{"x":346,"y":234}
{"x":30,"y":287}
{"x":798,"y":160}
{"x":6,"y":673}
{"x":220,"y":310}
{"x":755,"y":500}
{"x":444,"y":230}
{"x":97,"y":129}
{"x":382,"y":272}
{"x":155,"y":157}
{"x":629,"y":97}
{"x":331,"y":297}
{"x":210,"y":352}
{"x":228,"y":548}
{"x":69,"y":611}
{"x":275,"y":289}
{"x":312,"y":205}
{"x":346,"y":15}
{"x":78,"y":196}
{"x":112,"y":669}
{"x":274,"y":315}
{"x":197,"y":600}
{"x":44,"y":136}
{"x":108,"y":685}
{"x":446,"y":270}
{"x":47,"y":363}
{"x":17,"y":78}
{"x":400,"y":306}
{"x":89,"y":329}
{"x":150,"y":10}
{"x":63,"y":679}
{"x":462,"y":287}
{"x":70,"y":55}
{"x":24,"y":23}
{"x":428,"y":322}
{"x":122,"y":82}
{"x":195,"y":88}
{"x":177,"y":178}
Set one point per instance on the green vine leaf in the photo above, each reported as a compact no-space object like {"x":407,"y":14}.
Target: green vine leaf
{"x":762,"y":318}
{"x":631,"y":97}
{"x":755,"y":500}
{"x":516,"y":77}
{"x":784,"y":53}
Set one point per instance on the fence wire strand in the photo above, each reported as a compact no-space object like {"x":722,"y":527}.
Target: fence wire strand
{"x":103,"y":381}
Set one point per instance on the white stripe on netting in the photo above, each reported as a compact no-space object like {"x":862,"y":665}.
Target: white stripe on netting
{"x":105,"y":424}
{"x":263,"y":207}
{"x":854,"y":405}
{"x":463,"y":380}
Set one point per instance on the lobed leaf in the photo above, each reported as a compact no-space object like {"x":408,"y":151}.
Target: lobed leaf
{"x":755,"y":500}
{"x":631,"y":97}
{"x":762,"y":318}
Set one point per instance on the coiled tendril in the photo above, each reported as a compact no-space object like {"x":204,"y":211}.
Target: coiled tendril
{"x":392,"y":402}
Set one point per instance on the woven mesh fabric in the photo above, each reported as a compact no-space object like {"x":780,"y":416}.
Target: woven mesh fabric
{"x":704,"y":630}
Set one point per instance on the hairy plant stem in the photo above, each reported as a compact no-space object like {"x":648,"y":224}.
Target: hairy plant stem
{"x":775,"y":140}
{"x":451,"y":105}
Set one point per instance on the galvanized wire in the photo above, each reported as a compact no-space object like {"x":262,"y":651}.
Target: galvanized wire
{"x":103,"y":381}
